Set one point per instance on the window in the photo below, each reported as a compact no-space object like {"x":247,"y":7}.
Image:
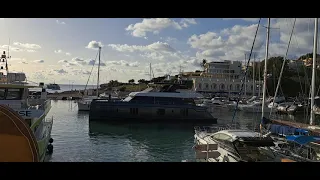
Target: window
{"x":13,"y":94}
{"x":238,"y":87}
{"x":161,"y":111}
{"x":214,"y":86}
{"x":184,"y":112}
{"x":2,"y":94}
{"x":222,"y":87}
{"x":134,"y":110}
{"x":230,"y":87}
{"x":221,"y":136}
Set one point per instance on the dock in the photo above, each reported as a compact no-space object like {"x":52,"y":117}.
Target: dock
{"x":65,"y":96}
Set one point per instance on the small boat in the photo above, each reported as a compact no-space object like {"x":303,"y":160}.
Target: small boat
{"x":53,"y":86}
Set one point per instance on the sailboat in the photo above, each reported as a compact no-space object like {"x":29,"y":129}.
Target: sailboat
{"x":85,"y":102}
{"x":304,"y":135}
{"x":231,"y":144}
{"x":311,"y":128}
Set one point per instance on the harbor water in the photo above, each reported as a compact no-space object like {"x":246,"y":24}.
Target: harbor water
{"x":77,"y":140}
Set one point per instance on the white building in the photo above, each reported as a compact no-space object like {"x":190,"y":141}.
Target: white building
{"x":223,"y":77}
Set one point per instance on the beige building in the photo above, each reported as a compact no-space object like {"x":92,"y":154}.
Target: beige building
{"x":222,"y":77}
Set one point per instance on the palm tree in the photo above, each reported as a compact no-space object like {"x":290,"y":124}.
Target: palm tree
{"x":204,"y":62}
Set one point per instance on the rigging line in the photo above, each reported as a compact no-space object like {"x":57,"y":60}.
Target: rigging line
{"x":303,"y":89}
{"x":282,"y":68}
{"x":90,"y":72}
{"x":246,"y":70}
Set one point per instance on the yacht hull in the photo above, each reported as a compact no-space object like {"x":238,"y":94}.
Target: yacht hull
{"x":131,"y":112}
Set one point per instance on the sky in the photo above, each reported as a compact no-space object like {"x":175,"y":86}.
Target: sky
{"x":64,"y":50}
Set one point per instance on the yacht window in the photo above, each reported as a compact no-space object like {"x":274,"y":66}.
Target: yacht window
{"x":13,"y":94}
{"x":222,"y":136}
{"x":216,"y":136}
{"x":2,"y":93}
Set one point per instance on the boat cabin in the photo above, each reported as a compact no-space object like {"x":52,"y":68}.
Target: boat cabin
{"x":245,"y":145}
{"x":161,"y":98}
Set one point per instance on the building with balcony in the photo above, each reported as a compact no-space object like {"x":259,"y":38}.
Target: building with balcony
{"x":223,"y":77}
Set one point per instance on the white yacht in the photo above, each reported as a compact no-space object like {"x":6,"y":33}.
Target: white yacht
{"x":234,"y":145}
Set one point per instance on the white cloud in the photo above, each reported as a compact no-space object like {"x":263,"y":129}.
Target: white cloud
{"x":60,"y":71}
{"x":124,"y":63}
{"x":232,"y":43}
{"x":60,"y":22}
{"x":187,"y":22}
{"x":21,"y":48}
{"x":94,"y":45}
{"x":155,"y":25}
{"x":27,"y":45}
{"x":59,"y":51}
{"x":155,"y":51}
{"x":243,"y":19}
{"x":38,"y":61}
{"x":63,"y":61}
{"x":154,"y":47}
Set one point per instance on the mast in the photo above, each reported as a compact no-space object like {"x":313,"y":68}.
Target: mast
{"x":265,"y":70}
{"x":229,"y":84}
{"x":253,"y":77}
{"x":150,"y":71}
{"x":259,"y":78}
{"x":98,"y":73}
{"x":245,"y":77}
{"x":313,"y":81}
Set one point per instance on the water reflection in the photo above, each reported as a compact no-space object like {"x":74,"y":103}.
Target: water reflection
{"x":147,"y":142}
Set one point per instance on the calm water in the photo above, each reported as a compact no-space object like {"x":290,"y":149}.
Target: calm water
{"x":77,"y":141}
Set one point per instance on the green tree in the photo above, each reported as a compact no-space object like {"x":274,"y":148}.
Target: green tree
{"x":131,"y":81}
{"x":141,"y":81}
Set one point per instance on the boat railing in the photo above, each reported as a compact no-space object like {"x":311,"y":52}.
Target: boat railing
{"x":41,"y":104}
{"x":215,"y":128}
{"x":144,"y":102}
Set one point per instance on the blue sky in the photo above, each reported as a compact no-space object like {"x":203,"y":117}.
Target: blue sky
{"x":62,"y":50}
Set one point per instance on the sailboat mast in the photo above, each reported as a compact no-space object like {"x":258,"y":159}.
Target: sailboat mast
{"x":265,"y":70}
{"x":245,"y":77}
{"x":259,"y":79}
{"x":253,"y":76}
{"x":313,"y":81}
{"x":150,"y":71}
{"x":98,"y":73}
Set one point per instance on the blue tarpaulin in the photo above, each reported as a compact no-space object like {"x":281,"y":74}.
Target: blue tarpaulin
{"x":302,"y":139}
{"x":286,"y":130}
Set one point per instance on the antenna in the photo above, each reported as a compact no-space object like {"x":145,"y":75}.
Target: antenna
{"x":9,"y":49}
